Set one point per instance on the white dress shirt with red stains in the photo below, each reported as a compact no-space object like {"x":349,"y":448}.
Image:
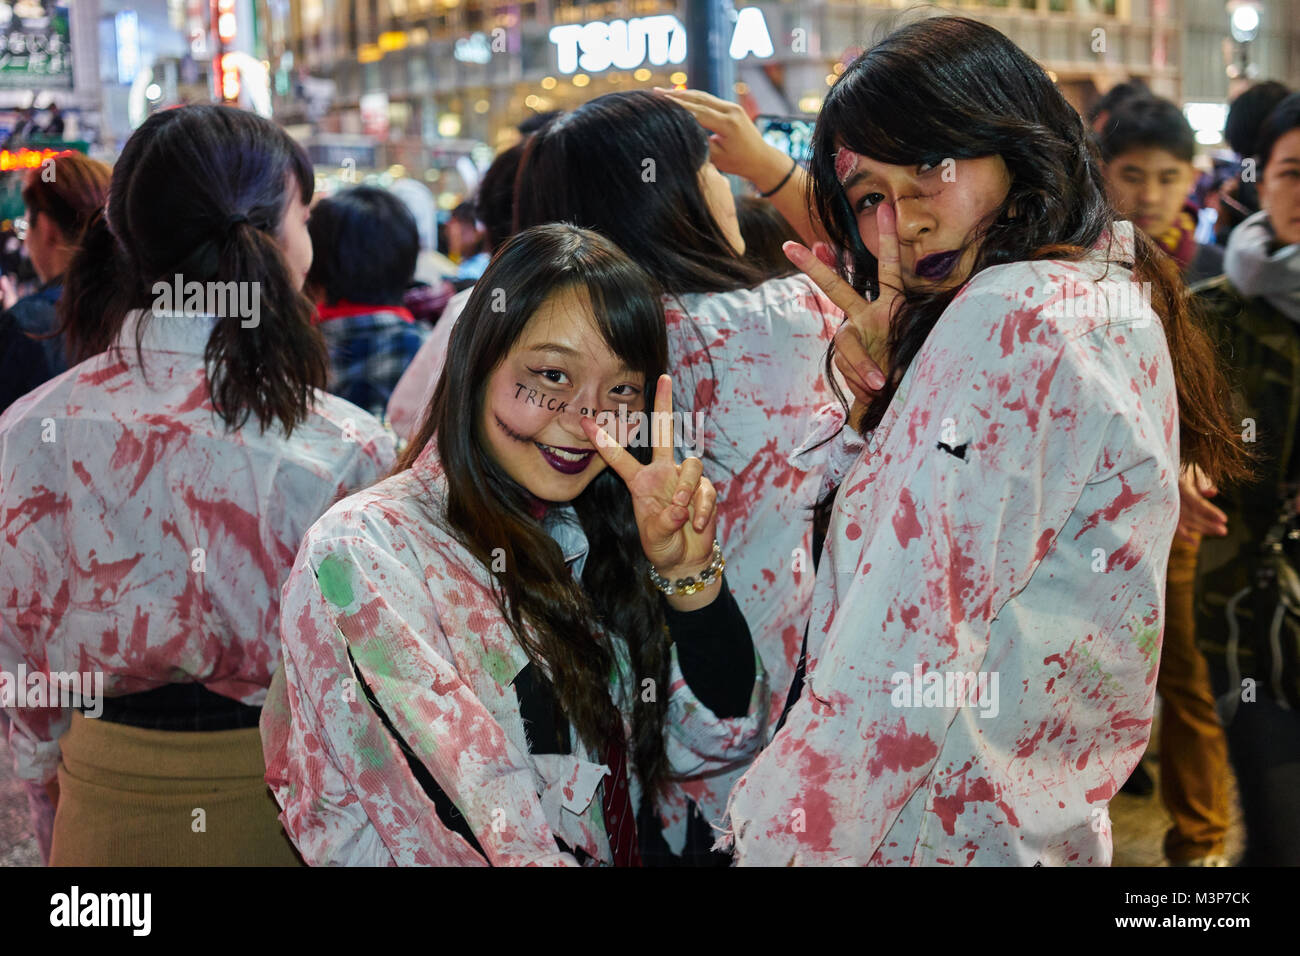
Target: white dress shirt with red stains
{"x":383,"y":590}
{"x":145,"y":541}
{"x":1009,"y":522}
{"x":752,"y":364}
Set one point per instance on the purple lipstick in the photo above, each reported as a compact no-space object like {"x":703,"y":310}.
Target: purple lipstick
{"x":936,"y":266}
{"x":567,"y":461}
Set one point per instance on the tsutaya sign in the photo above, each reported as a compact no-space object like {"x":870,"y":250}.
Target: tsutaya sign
{"x":659,"y":40}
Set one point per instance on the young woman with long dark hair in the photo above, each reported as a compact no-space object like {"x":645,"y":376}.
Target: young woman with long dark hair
{"x":746,"y":353}
{"x":152,"y":498}
{"x":987,"y":624}
{"x":478,"y":669}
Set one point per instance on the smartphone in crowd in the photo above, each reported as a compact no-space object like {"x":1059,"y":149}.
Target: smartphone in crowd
{"x":790,"y":134}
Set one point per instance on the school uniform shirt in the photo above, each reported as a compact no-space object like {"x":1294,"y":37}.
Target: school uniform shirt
{"x":384,"y":599}
{"x":143,"y":540}
{"x":1010,"y":518}
{"x":752,"y":364}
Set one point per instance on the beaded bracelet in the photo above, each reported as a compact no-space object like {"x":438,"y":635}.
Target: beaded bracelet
{"x":688,"y":585}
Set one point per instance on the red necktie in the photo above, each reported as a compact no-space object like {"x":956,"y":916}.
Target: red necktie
{"x":620,"y":822}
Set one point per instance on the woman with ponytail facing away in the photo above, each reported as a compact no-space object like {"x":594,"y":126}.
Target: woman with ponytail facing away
{"x":152,"y":498}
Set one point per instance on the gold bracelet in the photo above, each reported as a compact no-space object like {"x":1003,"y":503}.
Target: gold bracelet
{"x":688,"y":585}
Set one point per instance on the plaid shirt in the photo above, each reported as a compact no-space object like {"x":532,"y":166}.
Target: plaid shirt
{"x":368,"y":354}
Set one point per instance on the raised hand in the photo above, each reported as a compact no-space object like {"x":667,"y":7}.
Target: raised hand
{"x":861,"y":346}
{"x":735,"y":144}
{"x":673,"y":504}
{"x":1197,"y":517}
{"x":737,"y":147}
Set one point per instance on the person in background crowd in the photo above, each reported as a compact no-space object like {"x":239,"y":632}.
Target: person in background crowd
{"x":465,"y":243}
{"x":1238,"y":197}
{"x":152,"y":499}
{"x":1099,"y":113}
{"x":765,"y":230}
{"x":54,"y":125}
{"x":495,"y":208}
{"x":747,"y":354}
{"x":1013,"y":455}
{"x":523,"y":690}
{"x":1245,"y":585}
{"x":25,"y":127}
{"x":365,"y":244}
{"x":61,"y":198}
{"x":1147,"y":147}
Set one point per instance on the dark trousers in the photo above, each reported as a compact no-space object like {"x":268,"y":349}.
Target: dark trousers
{"x":1264,"y":745}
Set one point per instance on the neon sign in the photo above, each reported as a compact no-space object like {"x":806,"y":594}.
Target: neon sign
{"x":658,"y":40}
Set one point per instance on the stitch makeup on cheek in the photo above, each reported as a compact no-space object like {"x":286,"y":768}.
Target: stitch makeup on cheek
{"x":511,"y":433}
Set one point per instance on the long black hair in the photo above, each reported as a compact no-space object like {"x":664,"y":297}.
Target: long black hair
{"x":627,"y":165}
{"x":201,"y":191}
{"x":553,"y":618}
{"x":951,"y":87}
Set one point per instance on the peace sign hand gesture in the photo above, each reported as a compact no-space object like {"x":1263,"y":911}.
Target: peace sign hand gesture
{"x":861,"y":346}
{"x":673,"y":504}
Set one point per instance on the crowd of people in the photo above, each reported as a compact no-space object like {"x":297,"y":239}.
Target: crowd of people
{"x":920,"y":507}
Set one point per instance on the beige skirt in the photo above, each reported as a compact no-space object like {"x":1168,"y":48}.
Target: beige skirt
{"x":135,"y":797}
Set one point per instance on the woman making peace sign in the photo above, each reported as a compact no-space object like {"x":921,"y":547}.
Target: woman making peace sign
{"x":987,"y":615}
{"x":478,"y":667}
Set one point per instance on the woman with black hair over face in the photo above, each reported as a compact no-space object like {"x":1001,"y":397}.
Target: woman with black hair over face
{"x":480,"y":668}
{"x":152,"y":498}
{"x":746,"y":352}
{"x":987,"y":625}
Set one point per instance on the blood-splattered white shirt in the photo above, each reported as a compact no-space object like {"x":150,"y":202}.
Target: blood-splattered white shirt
{"x":752,"y":364}
{"x":143,"y":540}
{"x":1010,"y":518}
{"x":414,"y":390}
{"x":383,"y":590}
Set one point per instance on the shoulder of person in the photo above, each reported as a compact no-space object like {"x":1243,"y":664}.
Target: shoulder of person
{"x":382,"y":516}
{"x":352,"y":423}
{"x":1044,"y":302}
{"x":1228,"y":313}
{"x":1015,"y":323}
{"x":782,"y":301}
{"x":1217,"y":294}
{"x":34,"y":313}
{"x":50,"y":399}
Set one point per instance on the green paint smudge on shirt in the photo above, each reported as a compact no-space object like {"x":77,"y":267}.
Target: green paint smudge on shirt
{"x":335,"y":579}
{"x":500,"y":667}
